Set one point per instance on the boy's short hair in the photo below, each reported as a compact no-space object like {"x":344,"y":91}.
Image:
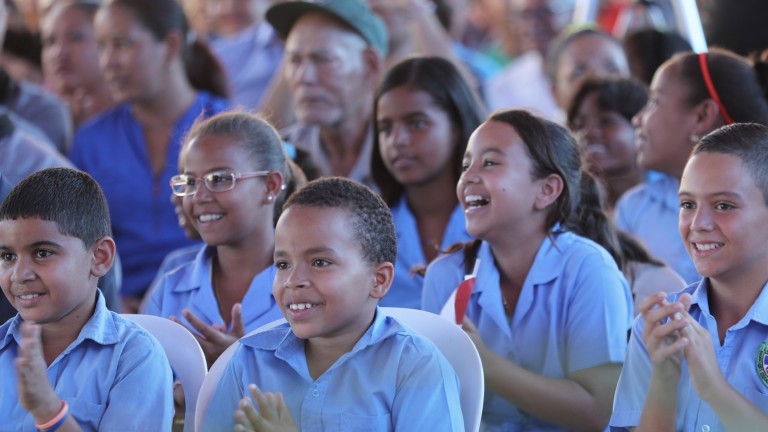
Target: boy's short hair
{"x":748,"y":142}
{"x":70,"y":198}
{"x":371,"y":219}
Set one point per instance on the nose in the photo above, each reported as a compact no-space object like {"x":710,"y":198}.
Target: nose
{"x":702,"y":220}
{"x":302,"y":71}
{"x":202,"y":194}
{"x":107,"y":57}
{"x":400,"y":136}
{"x":295,"y":278}
{"x":469,"y":176}
{"x":637,"y":119}
{"x":22,"y":271}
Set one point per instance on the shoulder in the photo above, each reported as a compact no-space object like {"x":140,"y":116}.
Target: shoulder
{"x":103,"y":124}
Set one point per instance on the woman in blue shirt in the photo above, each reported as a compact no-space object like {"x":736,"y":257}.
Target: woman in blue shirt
{"x":424,"y":112}
{"x":550,"y":309}
{"x":162,"y":80}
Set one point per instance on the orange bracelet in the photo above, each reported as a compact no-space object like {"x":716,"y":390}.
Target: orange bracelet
{"x":52,"y":422}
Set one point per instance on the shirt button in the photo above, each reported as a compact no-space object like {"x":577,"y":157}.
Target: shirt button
{"x":705,"y":428}
{"x":316,"y":393}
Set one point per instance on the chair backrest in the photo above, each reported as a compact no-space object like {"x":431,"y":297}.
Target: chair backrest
{"x":185,"y":355}
{"x":460,"y":351}
{"x":455,"y":345}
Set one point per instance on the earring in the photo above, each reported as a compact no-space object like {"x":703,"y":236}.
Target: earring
{"x":270,"y":197}
{"x":694,"y":138}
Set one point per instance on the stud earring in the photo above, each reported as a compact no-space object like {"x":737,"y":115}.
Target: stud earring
{"x":270,"y":197}
{"x":694,"y":138}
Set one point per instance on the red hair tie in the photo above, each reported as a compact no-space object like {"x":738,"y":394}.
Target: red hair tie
{"x":711,"y":88}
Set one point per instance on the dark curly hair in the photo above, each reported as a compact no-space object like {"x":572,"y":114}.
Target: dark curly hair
{"x":370,"y":218}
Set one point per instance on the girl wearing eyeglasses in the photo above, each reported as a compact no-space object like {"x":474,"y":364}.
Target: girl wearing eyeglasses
{"x":162,"y":79}
{"x":232,"y":186}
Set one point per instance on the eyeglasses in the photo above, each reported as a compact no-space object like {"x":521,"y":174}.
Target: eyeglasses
{"x":217,"y":181}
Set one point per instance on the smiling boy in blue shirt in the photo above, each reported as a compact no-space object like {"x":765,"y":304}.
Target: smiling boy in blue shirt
{"x":77,"y":365}
{"x":339,"y":363}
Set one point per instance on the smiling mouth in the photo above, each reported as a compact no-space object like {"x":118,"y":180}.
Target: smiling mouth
{"x":209,"y":217}
{"x":475,"y":201}
{"x":707,"y":246}
{"x":301,"y":306}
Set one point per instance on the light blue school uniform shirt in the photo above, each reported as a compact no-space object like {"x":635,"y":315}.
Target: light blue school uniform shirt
{"x":650,"y":212}
{"x":189,"y":287}
{"x":573,"y":313}
{"x":739,"y":359}
{"x":114,"y":376}
{"x":392,"y":380}
{"x":112,"y":148}
{"x":406,"y":286}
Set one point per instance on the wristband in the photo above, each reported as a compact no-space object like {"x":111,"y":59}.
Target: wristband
{"x":56,"y":421}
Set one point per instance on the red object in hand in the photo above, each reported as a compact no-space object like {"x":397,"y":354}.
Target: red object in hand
{"x":462,"y":298}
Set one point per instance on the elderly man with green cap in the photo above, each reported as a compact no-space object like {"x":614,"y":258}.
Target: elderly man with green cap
{"x":334,"y":56}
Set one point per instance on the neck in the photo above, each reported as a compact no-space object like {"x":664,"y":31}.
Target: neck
{"x":167,"y":106}
{"x":729,"y":301}
{"x":514,"y":256}
{"x":57,"y":336}
{"x":343,"y":144}
{"x":323,"y":352}
{"x":248,"y":259}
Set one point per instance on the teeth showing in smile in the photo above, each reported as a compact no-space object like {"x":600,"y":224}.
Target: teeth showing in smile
{"x":473,"y":201}
{"x":209,"y":217}
{"x":29,"y":296}
{"x":300,"y":306}
{"x":707,"y":246}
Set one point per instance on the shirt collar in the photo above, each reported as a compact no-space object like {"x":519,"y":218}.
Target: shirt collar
{"x":100,"y":328}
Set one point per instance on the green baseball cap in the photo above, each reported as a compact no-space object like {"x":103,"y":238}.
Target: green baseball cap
{"x":354,"y":13}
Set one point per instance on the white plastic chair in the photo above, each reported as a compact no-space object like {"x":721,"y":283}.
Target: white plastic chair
{"x":185,"y":355}
{"x":455,"y":345}
{"x":460,"y":351}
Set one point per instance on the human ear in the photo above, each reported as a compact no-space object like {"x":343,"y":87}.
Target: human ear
{"x":707,"y":117}
{"x":103,"y":251}
{"x":383,"y":274}
{"x":374,"y":65}
{"x":550,"y":189}
{"x":173,"y":45}
{"x":274,"y":186}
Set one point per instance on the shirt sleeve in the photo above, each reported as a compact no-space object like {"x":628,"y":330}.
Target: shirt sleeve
{"x":633,"y":382}
{"x":420,"y":404}
{"x":225,"y":399}
{"x":600,"y":313}
{"x":141,"y":397}
{"x":443,"y":276}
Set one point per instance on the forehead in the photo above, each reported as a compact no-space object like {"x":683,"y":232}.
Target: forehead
{"x":318,"y":32}
{"x":709,"y":172}
{"x":64,"y":17}
{"x":20,"y":232}
{"x":303,"y":227}
{"x":495,"y":134}
{"x":405,"y":99}
{"x":117,"y":18}
{"x":217,"y":151}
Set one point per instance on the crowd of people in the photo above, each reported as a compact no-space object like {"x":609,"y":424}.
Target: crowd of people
{"x":601,"y":189}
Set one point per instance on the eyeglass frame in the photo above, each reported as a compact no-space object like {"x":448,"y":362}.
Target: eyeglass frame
{"x":235,"y":177}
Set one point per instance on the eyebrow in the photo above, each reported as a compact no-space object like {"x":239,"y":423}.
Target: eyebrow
{"x":486,"y":151}
{"x":310,"y":251}
{"x":728,"y":194}
{"x":35,"y":245}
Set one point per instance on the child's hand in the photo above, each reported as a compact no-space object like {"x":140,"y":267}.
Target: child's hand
{"x":471,"y":331}
{"x":663,"y":323}
{"x":35,"y":392}
{"x":700,"y":355}
{"x":272,"y":415}
{"x":215,"y":339}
